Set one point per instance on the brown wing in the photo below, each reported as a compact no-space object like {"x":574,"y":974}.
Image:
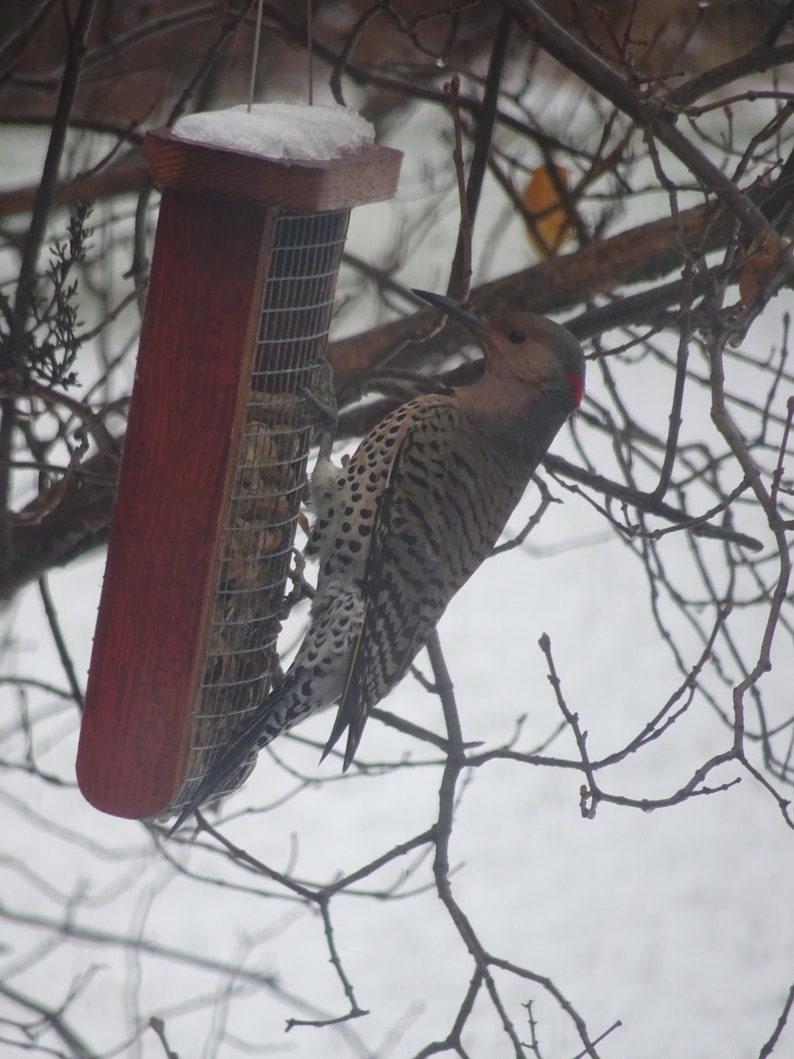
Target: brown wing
{"x":444,"y":505}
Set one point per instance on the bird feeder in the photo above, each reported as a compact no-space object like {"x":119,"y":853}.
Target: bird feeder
{"x":213,"y":472}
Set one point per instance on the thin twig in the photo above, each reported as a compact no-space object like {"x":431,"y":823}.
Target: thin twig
{"x":60,"y":643}
{"x":460,"y":271}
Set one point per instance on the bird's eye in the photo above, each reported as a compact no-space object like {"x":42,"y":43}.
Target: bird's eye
{"x":516,"y":336}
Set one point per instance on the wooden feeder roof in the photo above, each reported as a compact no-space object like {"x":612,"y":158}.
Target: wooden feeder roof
{"x":366,"y":174}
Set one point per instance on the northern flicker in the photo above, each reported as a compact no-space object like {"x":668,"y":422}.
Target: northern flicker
{"x":409,"y":518}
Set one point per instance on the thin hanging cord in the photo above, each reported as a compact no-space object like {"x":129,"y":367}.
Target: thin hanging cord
{"x":310,"y":50}
{"x":255,"y":55}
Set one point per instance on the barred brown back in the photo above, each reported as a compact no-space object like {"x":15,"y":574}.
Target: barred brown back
{"x":448,"y":496}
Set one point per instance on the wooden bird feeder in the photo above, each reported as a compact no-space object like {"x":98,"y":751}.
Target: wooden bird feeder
{"x":212,"y":478}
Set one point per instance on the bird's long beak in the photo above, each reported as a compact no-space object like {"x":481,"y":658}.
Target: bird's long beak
{"x":470,"y":320}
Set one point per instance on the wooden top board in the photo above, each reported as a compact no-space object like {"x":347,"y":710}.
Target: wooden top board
{"x":367,"y":174}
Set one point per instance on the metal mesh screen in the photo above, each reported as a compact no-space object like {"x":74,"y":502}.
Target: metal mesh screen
{"x":268,"y":485}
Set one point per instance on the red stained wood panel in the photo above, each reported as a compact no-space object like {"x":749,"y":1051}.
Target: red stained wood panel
{"x":193,"y":368}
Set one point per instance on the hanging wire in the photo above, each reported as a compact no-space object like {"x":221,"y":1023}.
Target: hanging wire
{"x":255,"y":55}
{"x":310,"y":50}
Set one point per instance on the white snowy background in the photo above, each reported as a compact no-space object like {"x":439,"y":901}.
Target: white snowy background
{"x":678,"y":923}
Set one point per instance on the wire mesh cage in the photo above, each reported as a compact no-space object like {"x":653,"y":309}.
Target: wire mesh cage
{"x":231,"y":387}
{"x":268,"y":483}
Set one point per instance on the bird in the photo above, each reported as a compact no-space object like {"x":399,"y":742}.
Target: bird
{"x":401,"y":527}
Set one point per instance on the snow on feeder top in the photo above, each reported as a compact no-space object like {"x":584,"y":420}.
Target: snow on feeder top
{"x":252,"y":223}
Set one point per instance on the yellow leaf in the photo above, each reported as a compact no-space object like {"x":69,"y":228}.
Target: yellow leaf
{"x":549,"y":227}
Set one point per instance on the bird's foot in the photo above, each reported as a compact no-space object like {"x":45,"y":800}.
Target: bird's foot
{"x":301,"y":588}
{"x":321,"y":407}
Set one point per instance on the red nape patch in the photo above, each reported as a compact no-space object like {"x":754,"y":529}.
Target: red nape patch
{"x":577,"y":386}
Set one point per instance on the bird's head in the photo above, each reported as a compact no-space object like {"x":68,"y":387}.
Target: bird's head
{"x":524,"y":348}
